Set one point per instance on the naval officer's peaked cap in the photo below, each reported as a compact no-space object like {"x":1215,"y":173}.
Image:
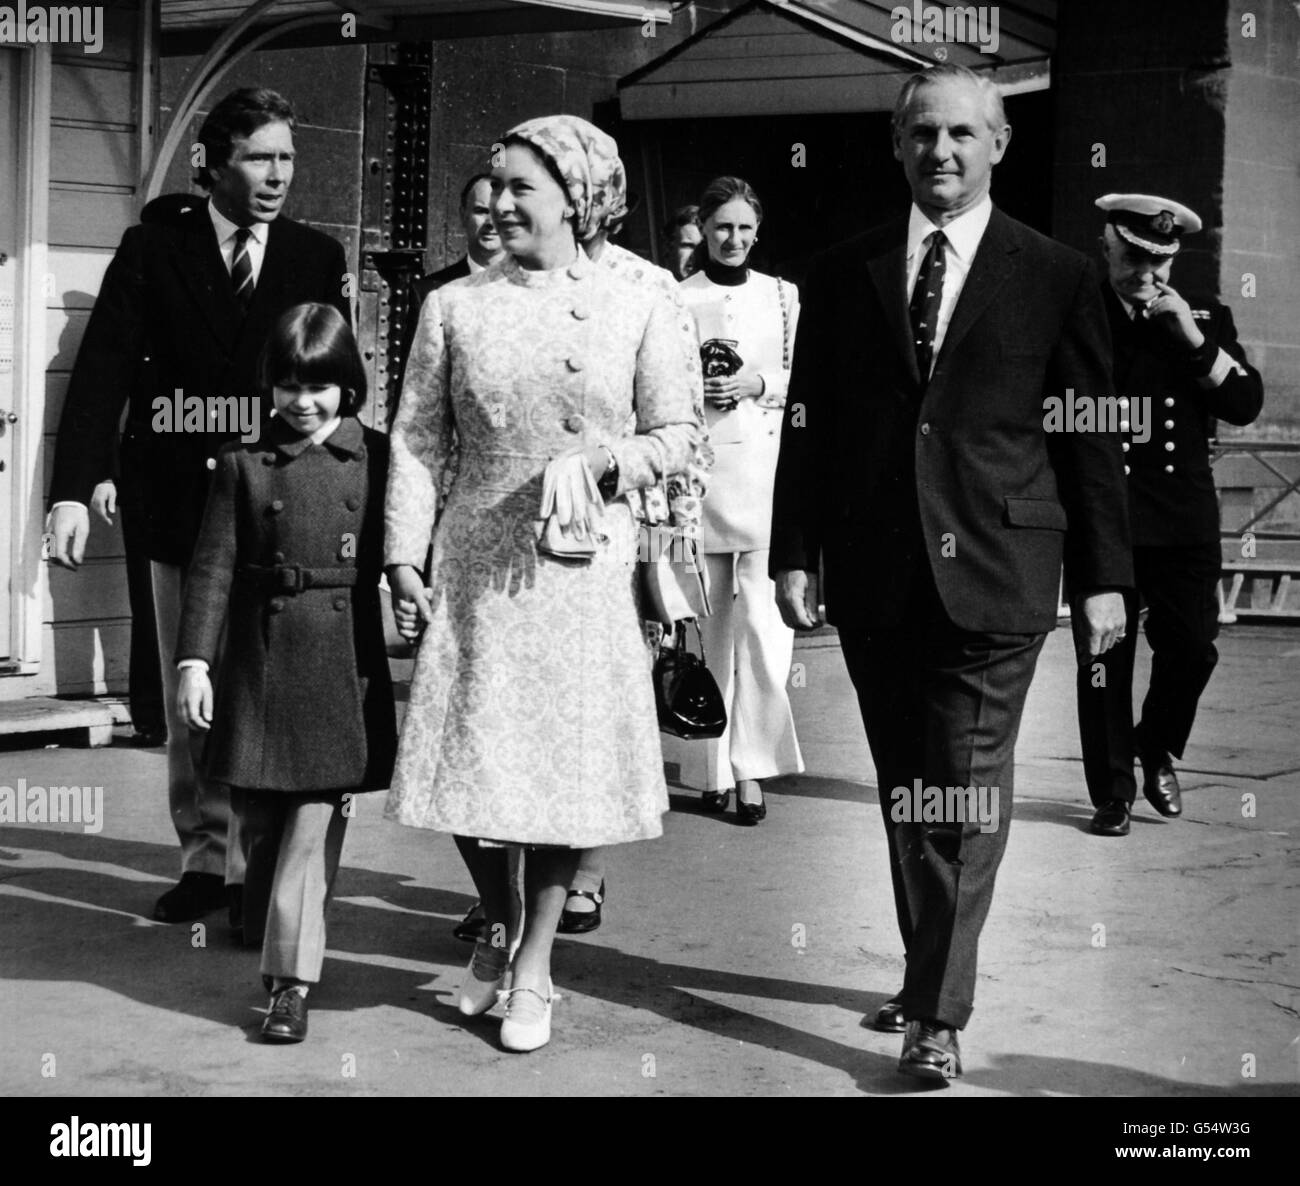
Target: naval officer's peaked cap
{"x":1154,"y":224}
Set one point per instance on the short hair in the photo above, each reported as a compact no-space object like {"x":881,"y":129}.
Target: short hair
{"x":240,"y":113}
{"x":312,"y":343}
{"x":468,"y":188}
{"x":682,"y":216}
{"x":995,"y":114}
{"x":722,"y":190}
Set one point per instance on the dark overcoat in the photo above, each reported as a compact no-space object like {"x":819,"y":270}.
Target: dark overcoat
{"x":289,"y":557}
{"x":166,"y":319}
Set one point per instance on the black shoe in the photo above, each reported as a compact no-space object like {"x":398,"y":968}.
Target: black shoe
{"x":195,"y":895}
{"x":287,"y":1019}
{"x":715,"y":801}
{"x":749,"y":814}
{"x":889,"y":1018}
{"x":931,"y":1051}
{"x":235,"y":907}
{"x":473,"y":926}
{"x":147,"y":738}
{"x":1159,"y":782}
{"x":581,"y":922}
{"x":1111,"y":819}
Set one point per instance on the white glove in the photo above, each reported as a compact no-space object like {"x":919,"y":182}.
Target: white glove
{"x":570,"y":493}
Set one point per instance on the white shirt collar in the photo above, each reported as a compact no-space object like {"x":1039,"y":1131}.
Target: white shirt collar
{"x":225,"y":228}
{"x":474,"y":266}
{"x":963,"y":233}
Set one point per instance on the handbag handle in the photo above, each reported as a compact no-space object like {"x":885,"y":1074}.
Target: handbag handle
{"x":679,"y":629}
{"x":785,"y":324}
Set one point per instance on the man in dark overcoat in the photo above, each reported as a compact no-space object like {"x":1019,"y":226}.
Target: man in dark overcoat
{"x":1177,"y":370}
{"x":174,"y":338}
{"x":917,"y":471}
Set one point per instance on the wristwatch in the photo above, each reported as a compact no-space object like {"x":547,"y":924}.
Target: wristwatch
{"x":608,"y":483}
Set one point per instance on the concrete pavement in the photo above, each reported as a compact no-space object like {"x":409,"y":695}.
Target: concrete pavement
{"x":732,"y":961}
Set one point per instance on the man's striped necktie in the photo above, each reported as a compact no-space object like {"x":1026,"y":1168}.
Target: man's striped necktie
{"x":926,"y":297}
{"x":241,"y":269}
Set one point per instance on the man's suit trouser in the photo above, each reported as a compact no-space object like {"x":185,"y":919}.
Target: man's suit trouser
{"x":294,"y":842}
{"x":942,"y":705}
{"x":1178,"y":585}
{"x":145,"y":680}
{"x":200,"y":809}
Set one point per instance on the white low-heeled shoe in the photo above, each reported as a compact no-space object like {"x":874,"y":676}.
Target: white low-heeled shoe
{"x":527,"y":1024}
{"x":485,"y":978}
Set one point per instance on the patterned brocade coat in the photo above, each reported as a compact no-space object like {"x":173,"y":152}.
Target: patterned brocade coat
{"x":531,"y":718}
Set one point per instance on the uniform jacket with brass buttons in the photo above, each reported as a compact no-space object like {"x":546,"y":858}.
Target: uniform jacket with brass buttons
{"x":303,"y":698}
{"x":1171,"y":487}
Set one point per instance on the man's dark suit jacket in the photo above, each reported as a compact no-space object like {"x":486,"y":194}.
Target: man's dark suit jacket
{"x":1178,"y":508}
{"x":420,"y":290}
{"x":166,"y":318}
{"x":878,"y":472}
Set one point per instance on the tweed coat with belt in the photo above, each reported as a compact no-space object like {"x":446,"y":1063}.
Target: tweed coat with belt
{"x":303,"y":699}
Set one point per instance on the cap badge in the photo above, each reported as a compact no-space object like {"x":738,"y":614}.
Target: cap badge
{"x":1164,"y":222}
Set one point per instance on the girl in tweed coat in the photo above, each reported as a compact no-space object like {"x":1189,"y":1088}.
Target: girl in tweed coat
{"x":288,"y":561}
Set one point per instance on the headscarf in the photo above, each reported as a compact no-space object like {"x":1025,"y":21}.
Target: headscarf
{"x":587,"y":159}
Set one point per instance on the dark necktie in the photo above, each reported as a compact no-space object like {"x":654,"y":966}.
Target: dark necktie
{"x":924,"y":306}
{"x":241,"y":269}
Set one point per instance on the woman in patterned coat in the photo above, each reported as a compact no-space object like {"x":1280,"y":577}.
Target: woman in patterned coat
{"x":531,"y":718}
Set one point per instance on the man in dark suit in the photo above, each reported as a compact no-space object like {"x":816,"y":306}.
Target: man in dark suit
{"x":1177,"y":368}
{"x":178,"y":324}
{"x":916,"y":470}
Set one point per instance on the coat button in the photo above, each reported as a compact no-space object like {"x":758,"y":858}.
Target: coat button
{"x":211,"y":463}
{"x":925,"y":430}
{"x":1127,"y":470}
{"x":277,"y":506}
{"x":1169,"y":424}
{"x":340,"y":603}
{"x":1124,"y":446}
{"x":574,"y":363}
{"x":1169,"y":469}
{"x":575,"y":423}
{"x":277,"y":604}
{"x":352,"y":503}
{"x":575,"y":272}
{"x":1123,"y":426}
{"x":1169,"y":446}
{"x":1169,"y":401}
{"x":278,"y":558}
{"x":580,"y":313}
{"x":1123,"y":401}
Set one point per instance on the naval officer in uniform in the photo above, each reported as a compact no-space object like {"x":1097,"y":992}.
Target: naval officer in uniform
{"x":1184,"y":361}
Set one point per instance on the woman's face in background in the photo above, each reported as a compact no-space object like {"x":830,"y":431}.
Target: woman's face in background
{"x":529,"y":209}
{"x":730,"y":231}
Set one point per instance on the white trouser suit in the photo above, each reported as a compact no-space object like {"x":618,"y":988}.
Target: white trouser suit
{"x":747,"y":646}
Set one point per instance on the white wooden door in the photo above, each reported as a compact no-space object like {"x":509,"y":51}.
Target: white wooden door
{"x":9,"y":95}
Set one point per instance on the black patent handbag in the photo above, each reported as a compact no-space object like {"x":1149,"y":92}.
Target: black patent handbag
{"x":687,"y":698}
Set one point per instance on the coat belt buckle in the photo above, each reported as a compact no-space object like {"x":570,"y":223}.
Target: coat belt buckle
{"x":290,"y":578}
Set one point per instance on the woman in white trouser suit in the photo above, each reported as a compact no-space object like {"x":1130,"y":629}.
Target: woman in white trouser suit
{"x":746,"y":324}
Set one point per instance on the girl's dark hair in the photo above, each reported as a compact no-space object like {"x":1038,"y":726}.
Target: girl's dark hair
{"x":313,"y":344}
{"x":240,"y":113}
{"x":722,"y":190}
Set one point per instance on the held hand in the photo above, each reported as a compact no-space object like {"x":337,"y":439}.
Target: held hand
{"x":412,"y":602}
{"x":70,"y":526}
{"x":796,"y":598}
{"x":195,"y":699}
{"x":104,"y":501}
{"x":726,"y":391}
{"x":1175,"y":316}
{"x":1104,"y":613}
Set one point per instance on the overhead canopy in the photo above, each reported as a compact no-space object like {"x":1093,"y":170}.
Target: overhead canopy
{"x":805,"y":57}
{"x":191,"y":26}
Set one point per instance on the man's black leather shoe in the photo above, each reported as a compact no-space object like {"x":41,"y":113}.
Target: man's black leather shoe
{"x":195,"y":895}
{"x":930,"y":1051}
{"x":1159,"y":782}
{"x":1111,"y":819}
{"x":287,"y":1020}
{"x":889,"y":1018}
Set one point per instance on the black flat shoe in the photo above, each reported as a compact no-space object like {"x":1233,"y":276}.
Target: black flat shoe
{"x":1159,"y":782}
{"x":581,"y":922}
{"x":195,"y":895}
{"x":749,"y":814}
{"x":889,"y":1018}
{"x":473,"y":926}
{"x":715,"y":801}
{"x":287,"y":1020}
{"x":1111,"y":819}
{"x":931,"y":1051}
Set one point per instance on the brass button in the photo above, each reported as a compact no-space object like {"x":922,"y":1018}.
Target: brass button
{"x":277,"y":604}
{"x":1127,"y":470}
{"x":211,"y":463}
{"x":1123,"y":426}
{"x":1169,"y":469}
{"x":925,"y":430}
{"x":1169,"y":424}
{"x":1169,"y":401}
{"x":1124,"y":446}
{"x":575,"y":423}
{"x":1169,"y":446}
{"x":1123,"y":401}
